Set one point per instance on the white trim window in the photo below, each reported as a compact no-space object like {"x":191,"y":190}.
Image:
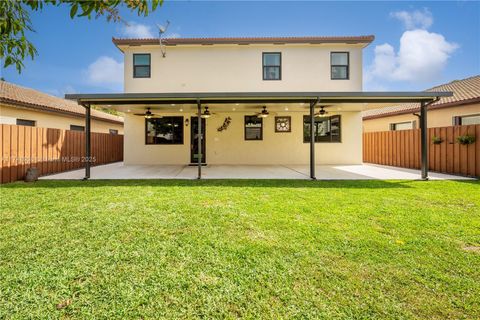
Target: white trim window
{"x":466,"y":120}
{"x":406,"y":125}
{"x":74,"y":127}
{"x":25,"y":122}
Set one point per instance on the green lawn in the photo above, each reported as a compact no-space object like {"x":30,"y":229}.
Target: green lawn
{"x":228,"y":249}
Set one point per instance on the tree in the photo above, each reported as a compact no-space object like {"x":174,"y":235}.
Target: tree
{"x":15,"y":21}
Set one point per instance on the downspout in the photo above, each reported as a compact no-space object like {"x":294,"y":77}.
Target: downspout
{"x":199,"y":139}
{"x":424,"y":138}
{"x":312,"y":137}
{"x":87,"y":141}
{"x":418,"y":115}
{"x":427,"y":105}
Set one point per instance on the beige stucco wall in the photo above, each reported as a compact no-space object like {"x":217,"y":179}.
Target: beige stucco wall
{"x":8,"y":115}
{"x":236,"y":68}
{"x":435,"y":118}
{"x":229,"y":146}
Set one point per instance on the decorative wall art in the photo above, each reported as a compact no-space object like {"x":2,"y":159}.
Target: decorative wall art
{"x":283,"y":124}
{"x":225,"y":124}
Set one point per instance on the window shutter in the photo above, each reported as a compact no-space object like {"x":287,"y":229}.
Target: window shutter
{"x":392,"y":126}
{"x":414,"y":124}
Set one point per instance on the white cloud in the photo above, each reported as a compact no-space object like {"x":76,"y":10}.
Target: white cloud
{"x":105,"y":72}
{"x":137,"y":30}
{"x":421,"y":57}
{"x":415,"y":19}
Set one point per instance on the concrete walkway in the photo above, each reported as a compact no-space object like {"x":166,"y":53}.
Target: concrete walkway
{"x":339,"y":172}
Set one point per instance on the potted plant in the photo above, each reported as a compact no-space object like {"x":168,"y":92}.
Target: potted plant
{"x":437,"y":140}
{"x":466,"y":139}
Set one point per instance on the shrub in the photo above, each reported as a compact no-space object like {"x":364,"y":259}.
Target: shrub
{"x":466,"y":139}
{"x":436,"y":140}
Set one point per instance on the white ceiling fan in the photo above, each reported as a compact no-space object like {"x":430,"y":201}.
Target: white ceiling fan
{"x":206,"y":113}
{"x":321,"y":112}
{"x":148,"y":114}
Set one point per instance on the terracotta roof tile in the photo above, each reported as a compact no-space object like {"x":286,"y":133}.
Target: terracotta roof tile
{"x":13,"y":94}
{"x":464,"y":91}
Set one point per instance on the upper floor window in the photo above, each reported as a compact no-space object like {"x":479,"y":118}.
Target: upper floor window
{"x":466,"y":120}
{"x":23,"y":122}
{"x":327,"y":129}
{"x":272,"y":66}
{"x":339,"y":63}
{"x":141,"y":65}
{"x":113,"y":131}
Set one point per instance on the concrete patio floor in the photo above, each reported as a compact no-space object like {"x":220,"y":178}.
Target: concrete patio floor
{"x":325,"y":172}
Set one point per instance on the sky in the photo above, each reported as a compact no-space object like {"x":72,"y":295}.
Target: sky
{"x":417,"y":44}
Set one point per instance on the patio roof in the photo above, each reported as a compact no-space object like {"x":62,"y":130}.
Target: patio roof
{"x":368,"y":100}
{"x":256,"y":97}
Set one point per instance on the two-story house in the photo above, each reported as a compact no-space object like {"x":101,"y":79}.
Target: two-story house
{"x":244,"y":101}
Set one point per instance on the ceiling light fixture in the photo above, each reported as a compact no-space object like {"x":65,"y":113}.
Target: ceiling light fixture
{"x":321,"y":113}
{"x":264,"y":113}
{"x":206,"y":114}
{"x":148,"y":114}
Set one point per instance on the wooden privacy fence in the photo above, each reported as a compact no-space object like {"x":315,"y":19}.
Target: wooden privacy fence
{"x":52,"y":150}
{"x":402,"y":149}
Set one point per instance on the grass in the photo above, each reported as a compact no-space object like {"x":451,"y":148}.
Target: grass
{"x":228,"y":249}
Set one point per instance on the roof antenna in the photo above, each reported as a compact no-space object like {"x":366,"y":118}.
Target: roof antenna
{"x":161,"y":31}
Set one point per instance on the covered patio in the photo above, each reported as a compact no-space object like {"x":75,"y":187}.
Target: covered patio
{"x":340,"y":172}
{"x":310,"y":104}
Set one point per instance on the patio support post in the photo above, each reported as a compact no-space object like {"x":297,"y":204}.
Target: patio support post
{"x":199,"y":139}
{"x":423,"y":140}
{"x":87,"y":142}
{"x":312,"y":138}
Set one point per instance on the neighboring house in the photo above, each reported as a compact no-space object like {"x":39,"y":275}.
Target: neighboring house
{"x":461,"y":109}
{"x":255,"y":100}
{"x":28,"y":107}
